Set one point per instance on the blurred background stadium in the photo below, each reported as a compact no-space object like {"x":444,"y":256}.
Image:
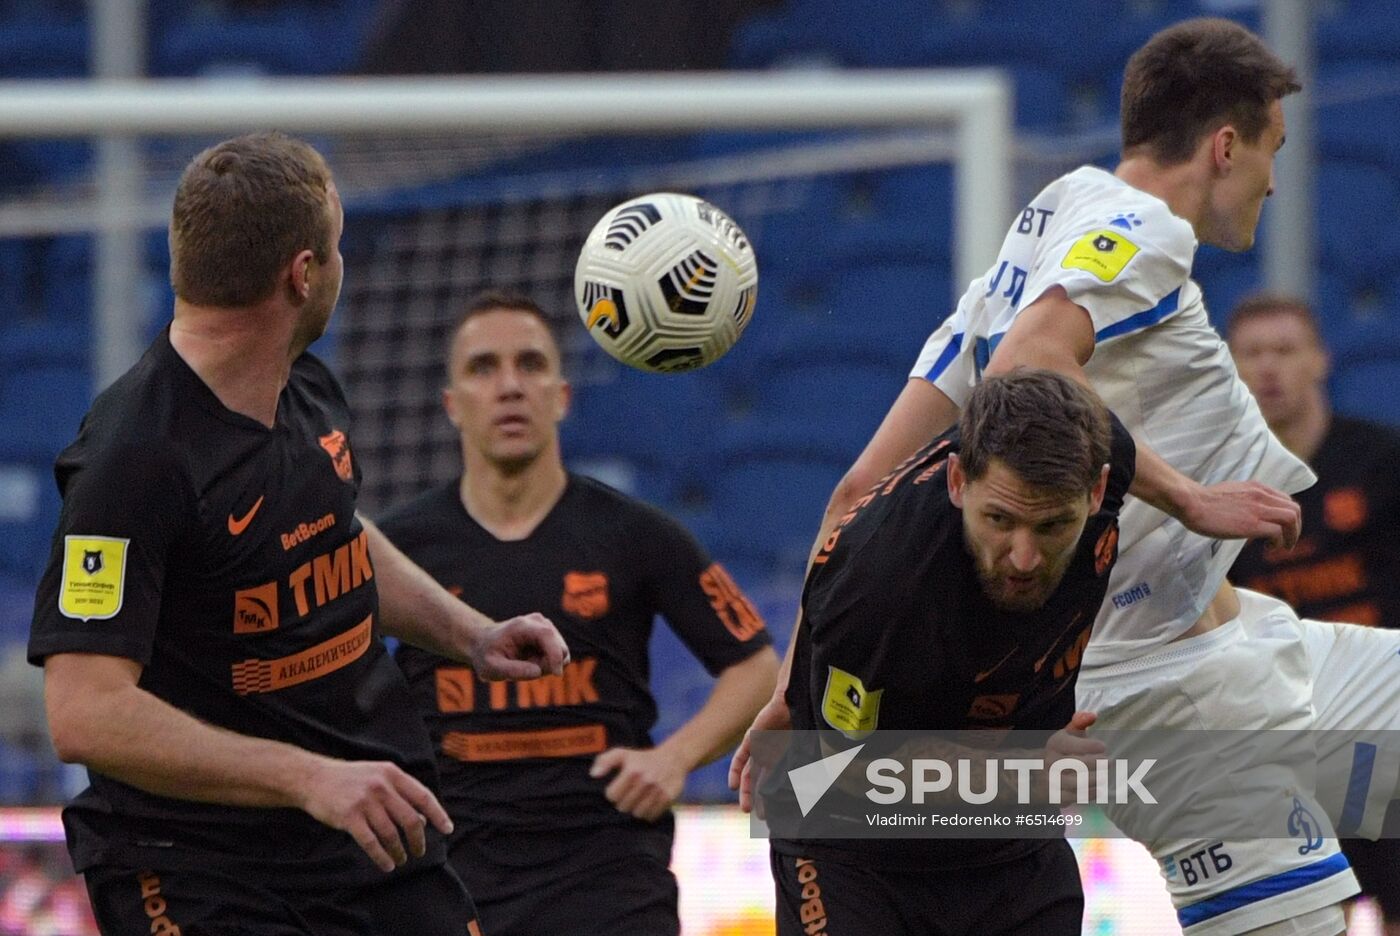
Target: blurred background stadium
{"x":856,"y":227}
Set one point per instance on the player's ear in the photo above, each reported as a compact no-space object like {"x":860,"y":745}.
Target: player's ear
{"x":301,"y":274}
{"x":957,"y":480}
{"x":449,"y":406}
{"x":566,"y":399}
{"x":1223,"y":143}
{"x":1097,"y":494}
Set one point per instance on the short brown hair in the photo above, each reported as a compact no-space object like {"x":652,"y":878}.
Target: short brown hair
{"x":503,"y":300}
{"x":1264,"y":304}
{"x":243,"y":209}
{"x":1191,"y":78}
{"x":1052,"y":432}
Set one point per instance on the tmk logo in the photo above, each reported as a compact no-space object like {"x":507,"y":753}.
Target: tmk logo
{"x":92,"y":561}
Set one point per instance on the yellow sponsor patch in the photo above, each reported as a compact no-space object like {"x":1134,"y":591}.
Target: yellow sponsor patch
{"x":848,"y":706}
{"x":94,"y":577}
{"x":1102,"y":253}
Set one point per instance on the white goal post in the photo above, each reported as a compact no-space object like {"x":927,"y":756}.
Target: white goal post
{"x":975,"y":104}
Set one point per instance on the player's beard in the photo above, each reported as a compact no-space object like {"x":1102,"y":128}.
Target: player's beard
{"x":1020,"y":600}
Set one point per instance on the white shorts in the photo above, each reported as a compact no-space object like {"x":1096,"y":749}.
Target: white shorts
{"x":1248,"y":679}
{"x":1355,"y":674}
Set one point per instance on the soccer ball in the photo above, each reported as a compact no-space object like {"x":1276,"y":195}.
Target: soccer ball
{"x":666,"y":282}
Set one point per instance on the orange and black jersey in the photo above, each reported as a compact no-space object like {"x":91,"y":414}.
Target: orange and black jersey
{"x":226,"y":558}
{"x":1346,"y":566}
{"x":601,"y":566}
{"x":895,"y":623}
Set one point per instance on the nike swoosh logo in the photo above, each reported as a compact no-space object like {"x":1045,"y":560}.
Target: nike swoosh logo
{"x":996,"y":666}
{"x":238,"y":525}
{"x":1073,"y":621}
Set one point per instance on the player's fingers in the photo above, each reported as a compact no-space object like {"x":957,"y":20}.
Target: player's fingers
{"x":620,"y":788}
{"x":387,"y":833}
{"x":554,"y":651}
{"x":424,"y":802}
{"x":368,"y":841}
{"x":635,"y":800}
{"x":739,"y":761}
{"x":1080,"y":721}
{"x":606,"y":762}
{"x":500,"y":666}
{"x":412,"y":822}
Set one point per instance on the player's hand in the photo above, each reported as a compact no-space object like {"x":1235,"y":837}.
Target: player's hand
{"x":743,"y":776}
{"x":1244,"y":510}
{"x":648,"y":780}
{"x":1071,"y":743}
{"x":379,"y":805}
{"x":521,"y":648}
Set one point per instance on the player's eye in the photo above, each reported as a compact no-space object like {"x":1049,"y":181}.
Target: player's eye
{"x":1000,"y":521}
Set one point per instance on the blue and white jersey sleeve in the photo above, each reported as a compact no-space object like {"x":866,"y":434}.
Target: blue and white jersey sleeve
{"x":1119,"y":254}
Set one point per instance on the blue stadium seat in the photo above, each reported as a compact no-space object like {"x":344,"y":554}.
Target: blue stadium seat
{"x":875,"y":312}
{"x":1357,"y":231}
{"x":39,"y":45}
{"x":295,"y":39}
{"x":41,"y":407}
{"x":828,"y":408}
{"x":637,"y":415}
{"x":1352,"y":29}
{"x":29,"y":506}
{"x":1225,"y":278}
{"x":1356,"y":110}
{"x":1366,"y":370}
{"x":66,"y":265}
{"x":16,"y":608}
{"x":771,"y":505}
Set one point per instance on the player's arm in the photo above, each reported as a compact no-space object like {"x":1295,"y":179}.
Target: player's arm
{"x":100,"y":717}
{"x":648,"y":781}
{"x":416,"y":609}
{"x":1057,"y":334}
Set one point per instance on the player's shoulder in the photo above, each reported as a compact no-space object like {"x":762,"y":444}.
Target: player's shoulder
{"x":312,"y":375}
{"x":591,"y":500}
{"x":146,"y":421}
{"x":1095,"y":201}
{"x":419,"y":514}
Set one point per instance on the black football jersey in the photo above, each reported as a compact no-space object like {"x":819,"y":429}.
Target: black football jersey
{"x":1346,"y":565}
{"x":601,"y":566}
{"x":897,"y":633}
{"x":226,"y":558}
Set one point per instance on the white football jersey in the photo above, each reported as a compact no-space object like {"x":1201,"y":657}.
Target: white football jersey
{"x":1158,"y":364}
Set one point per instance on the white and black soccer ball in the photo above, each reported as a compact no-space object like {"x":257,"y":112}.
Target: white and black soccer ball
{"x":666,"y":282}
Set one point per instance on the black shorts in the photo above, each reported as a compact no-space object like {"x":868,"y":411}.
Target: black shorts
{"x":1038,"y":894}
{"x":599,"y":882}
{"x":1377,"y":867}
{"x":430,"y":902}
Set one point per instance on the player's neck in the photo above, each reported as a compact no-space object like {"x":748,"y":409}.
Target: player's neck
{"x":1303,"y":435}
{"x":1180,"y":186}
{"x":243,"y":355}
{"x":510,"y":504}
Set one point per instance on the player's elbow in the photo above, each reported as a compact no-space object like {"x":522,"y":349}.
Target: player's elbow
{"x":79,"y":717}
{"x":71,"y":737}
{"x":853,"y":484}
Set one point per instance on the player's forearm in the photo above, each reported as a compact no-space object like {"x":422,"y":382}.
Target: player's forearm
{"x":738,"y":693}
{"x":416,"y":609}
{"x":122,"y":731}
{"x":1159,"y":484}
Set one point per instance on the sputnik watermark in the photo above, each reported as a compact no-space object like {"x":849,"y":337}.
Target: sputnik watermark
{"x":978,"y":782}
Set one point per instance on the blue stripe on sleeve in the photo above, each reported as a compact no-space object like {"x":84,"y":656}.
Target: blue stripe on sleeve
{"x":1141,"y":320}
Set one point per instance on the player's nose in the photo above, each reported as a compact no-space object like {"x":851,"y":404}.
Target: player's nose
{"x":1025,"y":554}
